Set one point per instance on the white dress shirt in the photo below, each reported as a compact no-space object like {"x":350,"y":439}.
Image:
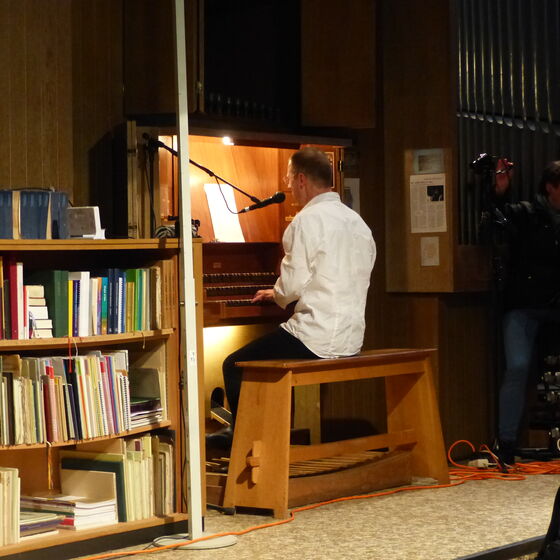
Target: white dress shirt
{"x":329,"y":256}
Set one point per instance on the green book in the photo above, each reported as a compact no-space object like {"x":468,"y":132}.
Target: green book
{"x":55,"y":283}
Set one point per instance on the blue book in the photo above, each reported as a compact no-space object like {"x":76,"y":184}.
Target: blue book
{"x":33,"y":214}
{"x":75,"y":307}
{"x":6,"y":217}
{"x":59,"y":215}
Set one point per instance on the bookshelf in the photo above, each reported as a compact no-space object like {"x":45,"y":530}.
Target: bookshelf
{"x":157,"y":348}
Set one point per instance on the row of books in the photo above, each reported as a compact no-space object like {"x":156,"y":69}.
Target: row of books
{"x":33,"y":214}
{"x":9,"y":505}
{"x":101,"y":483}
{"x":125,"y":479}
{"x":62,"y":303}
{"x":56,"y":399}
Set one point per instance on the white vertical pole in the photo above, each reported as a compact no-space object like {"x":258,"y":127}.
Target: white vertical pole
{"x":188,"y":310}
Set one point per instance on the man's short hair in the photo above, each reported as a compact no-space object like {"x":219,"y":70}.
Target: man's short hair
{"x":314,"y":164}
{"x":551,"y":174}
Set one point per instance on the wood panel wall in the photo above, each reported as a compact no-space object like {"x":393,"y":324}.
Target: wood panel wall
{"x":338,"y":63}
{"x":36,"y":142}
{"x":61,"y":63}
{"x":97,"y":117}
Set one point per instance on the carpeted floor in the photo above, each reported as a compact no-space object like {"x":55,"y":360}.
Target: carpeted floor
{"x":441,"y":524}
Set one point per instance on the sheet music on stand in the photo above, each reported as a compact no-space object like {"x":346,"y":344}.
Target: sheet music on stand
{"x":226,"y":225}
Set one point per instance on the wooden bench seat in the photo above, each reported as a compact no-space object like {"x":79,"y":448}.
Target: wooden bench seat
{"x":261,"y":454}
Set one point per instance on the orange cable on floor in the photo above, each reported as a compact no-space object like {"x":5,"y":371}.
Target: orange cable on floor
{"x":460,"y":474}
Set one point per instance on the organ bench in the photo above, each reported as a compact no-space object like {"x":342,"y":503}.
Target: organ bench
{"x":262,"y":458}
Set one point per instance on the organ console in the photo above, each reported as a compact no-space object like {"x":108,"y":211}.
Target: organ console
{"x":232,"y":274}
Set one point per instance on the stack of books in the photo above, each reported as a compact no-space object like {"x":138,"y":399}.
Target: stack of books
{"x":143,"y":469}
{"x":38,"y":524}
{"x":148,"y":398}
{"x":87,"y":500}
{"x":40,"y":326}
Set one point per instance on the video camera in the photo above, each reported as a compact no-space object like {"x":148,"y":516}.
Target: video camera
{"x":484,"y":163}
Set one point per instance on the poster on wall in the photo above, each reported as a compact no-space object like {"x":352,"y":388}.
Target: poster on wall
{"x":427,"y":203}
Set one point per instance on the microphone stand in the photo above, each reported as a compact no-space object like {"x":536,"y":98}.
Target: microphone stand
{"x":153,"y":144}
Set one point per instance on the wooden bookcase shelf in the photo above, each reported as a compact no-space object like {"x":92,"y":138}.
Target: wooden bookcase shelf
{"x":68,"y":537}
{"x":83,"y":341}
{"x":38,"y":463}
{"x":132,"y":432}
{"x":20,"y":245}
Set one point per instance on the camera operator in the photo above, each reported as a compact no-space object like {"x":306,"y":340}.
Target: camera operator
{"x":532,"y":290}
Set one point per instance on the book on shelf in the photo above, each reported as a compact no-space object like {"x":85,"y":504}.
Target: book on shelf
{"x":155,"y":298}
{"x":148,"y":396}
{"x":57,"y":398}
{"x":81,"y":302}
{"x":164,"y":489}
{"x":84,"y":222}
{"x":87,"y":499}
{"x":38,"y":311}
{"x":38,"y":523}
{"x":58,"y":215}
{"x":35,"y":291}
{"x":9,"y":505}
{"x":15,"y":215}
{"x":148,"y":467}
{"x":100,"y":462}
{"x":34,"y":213}
{"x":6,"y":218}
{"x":55,"y":284}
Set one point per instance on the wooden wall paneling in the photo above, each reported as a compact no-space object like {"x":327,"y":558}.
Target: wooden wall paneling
{"x":419,"y":111}
{"x":36,"y":76}
{"x":467,"y":384}
{"x":18,"y":109}
{"x":98,"y":109}
{"x":64,"y":99}
{"x":149,"y":68}
{"x":37,"y":89}
{"x":338,"y":63}
{"x":5,"y":93}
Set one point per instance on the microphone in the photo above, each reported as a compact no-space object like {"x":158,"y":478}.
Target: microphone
{"x":274,"y":199}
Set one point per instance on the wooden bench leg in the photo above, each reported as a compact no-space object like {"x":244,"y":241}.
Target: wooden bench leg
{"x":259,"y":463}
{"x":412,"y":403}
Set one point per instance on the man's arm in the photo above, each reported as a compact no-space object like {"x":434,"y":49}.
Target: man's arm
{"x":294,"y":269}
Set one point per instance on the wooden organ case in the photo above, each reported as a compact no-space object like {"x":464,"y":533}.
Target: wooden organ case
{"x":234,"y":271}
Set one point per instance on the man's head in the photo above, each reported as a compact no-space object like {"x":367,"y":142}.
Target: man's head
{"x":549,"y":184}
{"x":309,"y":174}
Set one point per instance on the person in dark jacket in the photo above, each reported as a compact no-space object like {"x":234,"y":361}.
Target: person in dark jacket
{"x":532,"y":291}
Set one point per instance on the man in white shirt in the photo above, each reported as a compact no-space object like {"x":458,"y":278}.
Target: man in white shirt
{"x":329,"y":255}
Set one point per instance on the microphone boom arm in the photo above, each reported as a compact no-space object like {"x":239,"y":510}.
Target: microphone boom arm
{"x":154,"y":144}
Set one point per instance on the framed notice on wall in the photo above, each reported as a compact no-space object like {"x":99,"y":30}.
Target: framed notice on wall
{"x":427,"y":203}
